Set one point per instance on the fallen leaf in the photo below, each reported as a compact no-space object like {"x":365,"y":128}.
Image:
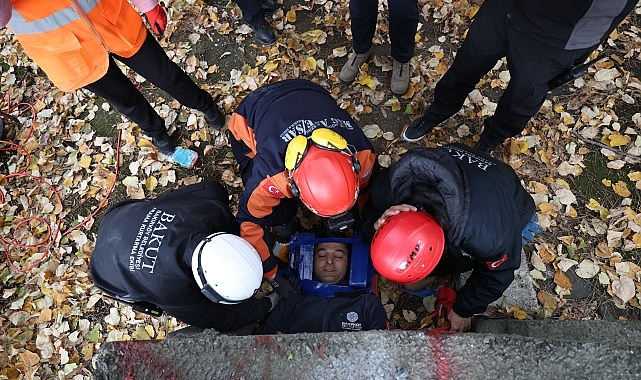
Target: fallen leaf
{"x":547,"y":300}
{"x":562,"y":280}
{"x":409,"y":315}
{"x":621,"y":189}
{"x":587,"y":269}
{"x":623,"y":288}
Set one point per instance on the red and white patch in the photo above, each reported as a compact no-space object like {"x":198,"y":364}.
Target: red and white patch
{"x":272,"y":189}
{"x":492,"y":265}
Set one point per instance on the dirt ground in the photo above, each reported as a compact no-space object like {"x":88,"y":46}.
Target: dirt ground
{"x":576,"y":158}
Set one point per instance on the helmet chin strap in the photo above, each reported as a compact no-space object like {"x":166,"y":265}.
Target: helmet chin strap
{"x":207,"y":289}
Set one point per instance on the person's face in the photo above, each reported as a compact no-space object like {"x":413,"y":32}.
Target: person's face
{"x":330,"y":262}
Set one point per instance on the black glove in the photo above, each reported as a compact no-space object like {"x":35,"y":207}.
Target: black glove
{"x":286,"y":288}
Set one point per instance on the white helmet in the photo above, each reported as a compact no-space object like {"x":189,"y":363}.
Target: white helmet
{"x":227,"y":268}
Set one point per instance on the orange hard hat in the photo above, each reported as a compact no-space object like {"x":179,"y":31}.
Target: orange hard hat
{"x":407,"y":247}
{"x":326,"y":181}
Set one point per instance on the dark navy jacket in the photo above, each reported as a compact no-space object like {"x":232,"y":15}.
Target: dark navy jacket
{"x":265,"y":121}
{"x":144,"y":248}
{"x":479,"y":202}
{"x":309,"y":314}
{"x":569,"y":24}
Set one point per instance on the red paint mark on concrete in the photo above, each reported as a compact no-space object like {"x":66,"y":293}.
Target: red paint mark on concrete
{"x":135,"y":354}
{"x":440,"y":354}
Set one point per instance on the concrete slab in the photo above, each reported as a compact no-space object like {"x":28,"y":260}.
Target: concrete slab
{"x":614,"y":332}
{"x":521,"y":292}
{"x":365,"y":355}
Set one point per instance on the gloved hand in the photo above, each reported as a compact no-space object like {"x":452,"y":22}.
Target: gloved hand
{"x":445,"y":301}
{"x":532,"y":228}
{"x":157,"y":19}
{"x":284,"y":287}
{"x":274,"y":298}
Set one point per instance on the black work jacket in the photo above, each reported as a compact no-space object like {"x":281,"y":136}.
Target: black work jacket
{"x":144,"y":249}
{"x":479,"y":202}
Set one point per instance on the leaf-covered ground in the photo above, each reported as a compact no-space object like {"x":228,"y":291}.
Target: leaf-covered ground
{"x":578,"y":158}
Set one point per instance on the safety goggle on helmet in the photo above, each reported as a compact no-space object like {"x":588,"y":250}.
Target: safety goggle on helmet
{"x":407,"y":247}
{"x":323,"y":172}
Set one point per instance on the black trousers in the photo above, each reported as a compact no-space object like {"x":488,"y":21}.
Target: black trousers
{"x":151,"y":62}
{"x":492,"y":36}
{"x":252,"y":10}
{"x":403,"y":20}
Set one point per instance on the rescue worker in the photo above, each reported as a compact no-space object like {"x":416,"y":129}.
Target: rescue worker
{"x":403,"y":21}
{"x":308,"y":314}
{"x":542,"y":41}
{"x":180,"y":253}
{"x":475,"y":211}
{"x":75,"y":43}
{"x":292,"y":140}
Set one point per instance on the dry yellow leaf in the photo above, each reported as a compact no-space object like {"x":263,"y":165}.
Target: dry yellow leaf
{"x":634,"y":176}
{"x":544,"y":156}
{"x":621,"y":189}
{"x":151,"y":183}
{"x":594,"y":205}
{"x":367,"y":80}
{"x":270,"y":66}
{"x":518,"y":313}
{"x":636,"y":239}
{"x":291,"y":16}
{"x":85,"y":162}
{"x":568,"y":239}
{"x":547,"y":208}
{"x":615,"y":139}
{"x":547,"y":253}
{"x":606,"y":182}
{"x":538,"y":187}
{"x":311,"y":63}
{"x":45,"y":315}
{"x":144,"y":143}
{"x":571,"y":211}
{"x":518,"y":146}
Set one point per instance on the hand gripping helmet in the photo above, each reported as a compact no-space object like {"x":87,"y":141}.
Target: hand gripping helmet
{"x":326,"y":181}
{"x":227,"y":268}
{"x":407,"y":247}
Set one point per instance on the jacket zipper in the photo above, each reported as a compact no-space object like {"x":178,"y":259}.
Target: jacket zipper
{"x":82,"y":14}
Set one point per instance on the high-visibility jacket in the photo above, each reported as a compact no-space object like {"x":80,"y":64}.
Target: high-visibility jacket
{"x":71,"y":39}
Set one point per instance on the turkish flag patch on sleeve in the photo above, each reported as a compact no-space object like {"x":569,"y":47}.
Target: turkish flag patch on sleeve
{"x":274,"y":191}
{"x":492,"y":265}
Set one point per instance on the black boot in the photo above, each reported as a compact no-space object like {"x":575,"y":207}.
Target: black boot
{"x":264,"y":34}
{"x":164,"y":145}
{"x":269,"y":6}
{"x":486,"y":146}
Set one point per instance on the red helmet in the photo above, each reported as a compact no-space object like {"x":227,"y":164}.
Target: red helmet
{"x":326,"y":181}
{"x":407,"y":247}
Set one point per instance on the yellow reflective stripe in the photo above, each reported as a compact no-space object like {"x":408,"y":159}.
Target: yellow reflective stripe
{"x":54,"y":21}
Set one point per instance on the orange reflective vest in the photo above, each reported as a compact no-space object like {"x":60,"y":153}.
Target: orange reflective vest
{"x":71,"y":39}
